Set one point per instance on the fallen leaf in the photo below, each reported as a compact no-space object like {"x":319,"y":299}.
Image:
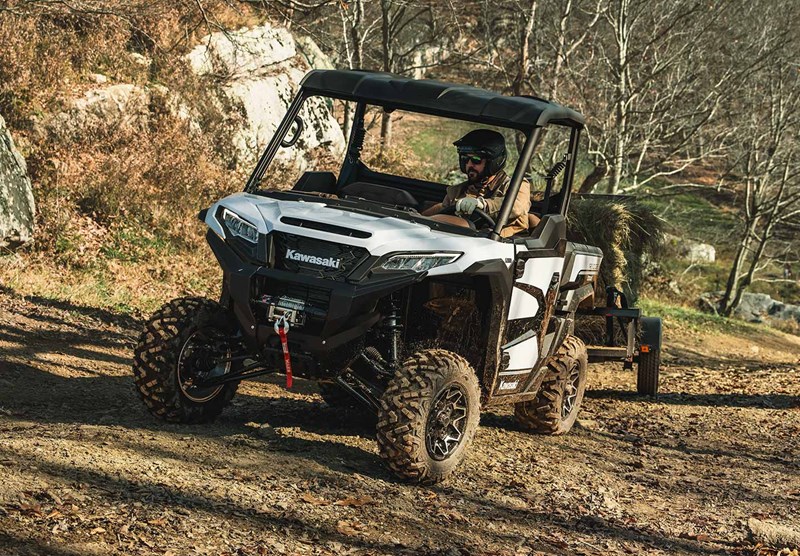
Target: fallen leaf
{"x":51,"y":515}
{"x":357,"y":502}
{"x":451,"y":515}
{"x":35,"y":509}
{"x":349,"y":528}
{"x":54,"y":497}
{"x":311,"y":499}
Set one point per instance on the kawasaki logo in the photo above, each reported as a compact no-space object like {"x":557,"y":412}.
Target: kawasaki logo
{"x":330,"y":262}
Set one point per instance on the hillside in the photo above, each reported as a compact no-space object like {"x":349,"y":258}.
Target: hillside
{"x":119,"y":121}
{"x":87,"y":471}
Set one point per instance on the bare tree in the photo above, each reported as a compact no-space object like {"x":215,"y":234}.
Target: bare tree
{"x":767,"y":161}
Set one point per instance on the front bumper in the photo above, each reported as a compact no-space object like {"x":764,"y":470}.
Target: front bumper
{"x":342,"y":311}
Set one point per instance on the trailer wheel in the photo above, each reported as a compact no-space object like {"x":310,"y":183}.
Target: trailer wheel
{"x":556,"y":406}
{"x":428,"y":416}
{"x":180,"y":344}
{"x":650,"y":360}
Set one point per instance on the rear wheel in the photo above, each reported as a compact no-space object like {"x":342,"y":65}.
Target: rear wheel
{"x":429,"y":414}
{"x":556,"y":406}
{"x":186,"y":341}
{"x":649,"y":365}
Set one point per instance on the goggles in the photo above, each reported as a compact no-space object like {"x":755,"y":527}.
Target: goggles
{"x":474,"y":158}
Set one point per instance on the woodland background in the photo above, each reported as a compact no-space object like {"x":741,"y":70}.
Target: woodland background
{"x":691,"y":106}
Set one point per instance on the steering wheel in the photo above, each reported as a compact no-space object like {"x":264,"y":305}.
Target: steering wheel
{"x":483,"y":217}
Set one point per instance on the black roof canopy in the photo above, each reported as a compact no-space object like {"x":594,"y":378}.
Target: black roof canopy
{"x":439,"y":99}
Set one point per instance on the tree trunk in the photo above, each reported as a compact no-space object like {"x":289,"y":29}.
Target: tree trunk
{"x":524,"y":61}
{"x":732,"y":296}
{"x":386,"y":51}
{"x":386,"y":133}
{"x":622,"y":35}
{"x":596,"y":176}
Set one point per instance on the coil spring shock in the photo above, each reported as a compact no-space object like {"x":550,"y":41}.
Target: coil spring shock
{"x":393,"y":326}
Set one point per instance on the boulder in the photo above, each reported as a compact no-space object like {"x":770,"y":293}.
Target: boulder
{"x":699,"y":252}
{"x":694,"y":251}
{"x":785,"y":312}
{"x":425,"y":58}
{"x":17,"y":207}
{"x":242,"y":53}
{"x":119,"y":106}
{"x":259,"y":72}
{"x":312,"y":53}
{"x":755,"y":307}
{"x":112,"y":106}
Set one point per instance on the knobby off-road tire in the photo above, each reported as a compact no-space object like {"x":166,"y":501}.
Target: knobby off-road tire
{"x":556,"y":406}
{"x":429,"y":414}
{"x":649,"y":366}
{"x":175,"y":328}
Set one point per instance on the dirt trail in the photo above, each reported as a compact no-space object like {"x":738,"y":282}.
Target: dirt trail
{"x":85,"y":470}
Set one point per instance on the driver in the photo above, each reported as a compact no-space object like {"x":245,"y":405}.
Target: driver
{"x":482,"y":156}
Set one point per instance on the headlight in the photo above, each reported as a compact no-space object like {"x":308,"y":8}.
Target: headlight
{"x":240,"y":227}
{"x":418,"y":262}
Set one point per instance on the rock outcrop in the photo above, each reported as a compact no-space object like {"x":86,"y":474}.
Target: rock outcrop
{"x":757,"y":307}
{"x":257,"y":72}
{"x":694,"y":251}
{"x":17,"y":207}
{"x":113,"y":106}
{"x":252,"y":75}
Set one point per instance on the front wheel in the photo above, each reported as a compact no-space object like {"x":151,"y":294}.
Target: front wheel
{"x":186,"y":341}
{"x":556,"y":406}
{"x":428,"y":416}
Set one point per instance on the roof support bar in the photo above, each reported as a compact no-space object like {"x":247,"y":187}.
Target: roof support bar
{"x":516,"y":182}
{"x":354,"y":146}
{"x":275,"y":142}
{"x":569,"y":172}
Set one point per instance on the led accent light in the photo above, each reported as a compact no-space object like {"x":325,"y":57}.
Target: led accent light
{"x":240,"y":227}
{"x":419,"y":262}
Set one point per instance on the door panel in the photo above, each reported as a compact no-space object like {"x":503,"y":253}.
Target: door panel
{"x":532,"y":301}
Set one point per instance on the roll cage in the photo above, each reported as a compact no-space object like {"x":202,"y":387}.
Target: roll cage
{"x":526,"y":114}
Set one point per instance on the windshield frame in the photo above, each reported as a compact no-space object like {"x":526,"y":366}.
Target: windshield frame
{"x":355,"y":142}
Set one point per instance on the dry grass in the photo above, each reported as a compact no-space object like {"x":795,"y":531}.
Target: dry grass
{"x":136,"y":287}
{"x":116,"y":204}
{"x":625,"y":231}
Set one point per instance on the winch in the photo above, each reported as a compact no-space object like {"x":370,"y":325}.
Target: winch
{"x":290,"y":309}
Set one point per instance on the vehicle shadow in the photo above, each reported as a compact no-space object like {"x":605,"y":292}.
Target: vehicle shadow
{"x":687,"y":357}
{"x":764,"y":401}
{"x":160,"y":496}
{"x":71,"y":366}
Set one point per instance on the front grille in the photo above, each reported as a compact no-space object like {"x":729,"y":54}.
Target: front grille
{"x":314,"y":257}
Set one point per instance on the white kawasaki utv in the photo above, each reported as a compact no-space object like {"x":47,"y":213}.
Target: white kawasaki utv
{"x":342,"y":280}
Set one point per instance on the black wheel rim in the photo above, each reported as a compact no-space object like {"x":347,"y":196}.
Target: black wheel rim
{"x":198,"y":361}
{"x":570,"y":397}
{"x":447,"y":422}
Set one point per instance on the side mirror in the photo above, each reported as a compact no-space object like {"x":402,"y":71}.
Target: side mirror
{"x":294,"y":136}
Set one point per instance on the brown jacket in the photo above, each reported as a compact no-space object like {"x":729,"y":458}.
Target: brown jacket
{"x":493,"y":190}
